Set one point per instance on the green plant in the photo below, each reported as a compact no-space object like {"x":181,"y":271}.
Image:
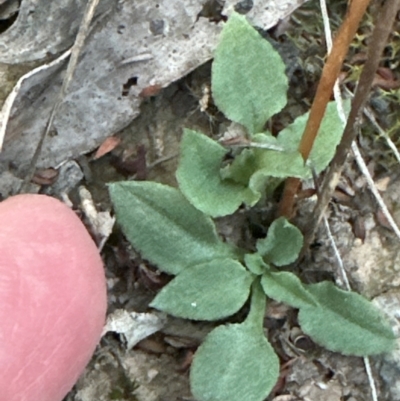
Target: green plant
{"x":172,"y":228}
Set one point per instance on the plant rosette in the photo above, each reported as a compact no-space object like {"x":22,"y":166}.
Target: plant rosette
{"x":173,"y":229}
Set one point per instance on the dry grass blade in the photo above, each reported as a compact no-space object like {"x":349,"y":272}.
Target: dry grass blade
{"x":339,"y":101}
{"x":75,"y":52}
{"x":364,"y":169}
{"x":378,"y":41}
{"x":382,"y":132}
{"x":329,"y":76}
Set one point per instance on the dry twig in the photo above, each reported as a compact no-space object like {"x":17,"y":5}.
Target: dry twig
{"x":378,"y":41}
{"x":329,"y":76}
{"x":75,"y":52}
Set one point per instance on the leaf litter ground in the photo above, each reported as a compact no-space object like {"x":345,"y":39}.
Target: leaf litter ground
{"x":157,"y":368}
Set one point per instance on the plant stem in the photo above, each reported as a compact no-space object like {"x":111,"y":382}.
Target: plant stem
{"x":329,"y":76}
{"x":377,"y":43}
{"x":255,"y":317}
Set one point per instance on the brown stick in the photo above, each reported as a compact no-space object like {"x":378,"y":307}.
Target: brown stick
{"x":380,"y":34}
{"x":329,"y":76}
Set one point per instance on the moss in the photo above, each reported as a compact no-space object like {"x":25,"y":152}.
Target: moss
{"x":123,"y":388}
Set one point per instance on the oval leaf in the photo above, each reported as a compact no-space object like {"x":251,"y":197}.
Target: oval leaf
{"x":287,"y":288}
{"x":329,"y":136}
{"x":243,"y":166}
{"x":208,"y":291}
{"x":236,"y":362}
{"x":345,"y":322}
{"x":255,"y":263}
{"x":249,"y":84}
{"x":164,"y":227}
{"x":288,"y":163}
{"x":282,"y":244}
{"x":280,"y":163}
{"x":199,"y":177}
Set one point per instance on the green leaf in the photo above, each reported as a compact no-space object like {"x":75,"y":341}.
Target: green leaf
{"x":243,"y":166}
{"x":282,"y":244}
{"x":275,"y":167}
{"x":329,"y":136}
{"x":199,"y":177}
{"x":281,"y":164}
{"x":236,"y":362}
{"x":262,"y":183}
{"x":287,"y":288}
{"x":277,"y":163}
{"x":207,"y":291}
{"x":345,"y":322}
{"x":249,"y":84}
{"x":263,"y":170}
{"x":255,"y":263}
{"x":164,"y":227}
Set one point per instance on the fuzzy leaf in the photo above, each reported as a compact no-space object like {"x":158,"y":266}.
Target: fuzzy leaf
{"x":164,"y":227}
{"x":263,"y":170}
{"x":249,"y":84}
{"x":282,"y":244}
{"x":208,"y":291}
{"x":236,"y":362}
{"x":243,"y":166}
{"x":274,"y":168}
{"x":262,"y":183}
{"x":255,"y":263}
{"x":329,"y":136}
{"x":287,"y":288}
{"x":199,"y":177}
{"x":275,"y":163}
{"x":281,"y":164}
{"x":345,"y":322}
